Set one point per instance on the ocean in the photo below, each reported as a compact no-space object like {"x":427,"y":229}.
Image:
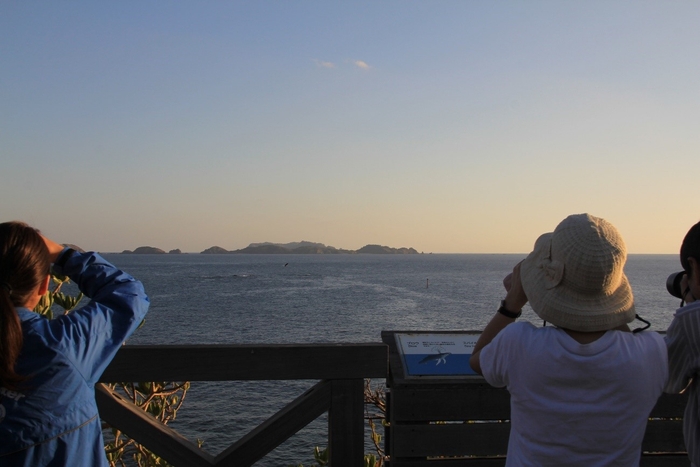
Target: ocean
{"x":247,"y":299}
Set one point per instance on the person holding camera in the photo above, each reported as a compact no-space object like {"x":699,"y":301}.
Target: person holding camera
{"x":580,"y":391}
{"x":49,"y":368}
{"x":683,"y":340}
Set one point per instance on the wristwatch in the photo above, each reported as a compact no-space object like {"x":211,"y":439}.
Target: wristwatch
{"x":507,"y":313}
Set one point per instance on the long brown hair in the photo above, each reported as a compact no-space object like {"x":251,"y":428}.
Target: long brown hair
{"x":24,"y":264}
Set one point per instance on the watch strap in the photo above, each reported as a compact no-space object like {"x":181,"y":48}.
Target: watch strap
{"x":507,"y":313}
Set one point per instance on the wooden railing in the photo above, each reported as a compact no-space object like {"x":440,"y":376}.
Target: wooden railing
{"x":341,"y":369}
{"x":477,"y":415}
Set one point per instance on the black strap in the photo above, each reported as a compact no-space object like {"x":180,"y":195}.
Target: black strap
{"x":643,"y":321}
{"x":507,"y":313}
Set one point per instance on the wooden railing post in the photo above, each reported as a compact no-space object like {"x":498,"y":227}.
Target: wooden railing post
{"x":346,"y":423}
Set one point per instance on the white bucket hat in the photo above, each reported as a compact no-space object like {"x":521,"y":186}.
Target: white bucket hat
{"x":574,"y":277}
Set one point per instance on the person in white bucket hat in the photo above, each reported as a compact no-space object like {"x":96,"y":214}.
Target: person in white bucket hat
{"x":582,"y":389}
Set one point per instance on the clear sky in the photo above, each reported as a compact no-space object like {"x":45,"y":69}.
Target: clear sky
{"x":447,"y":126}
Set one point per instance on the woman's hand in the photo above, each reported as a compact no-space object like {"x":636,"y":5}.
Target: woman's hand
{"x":514,"y":302}
{"x":515,"y":298}
{"x":54,"y":248}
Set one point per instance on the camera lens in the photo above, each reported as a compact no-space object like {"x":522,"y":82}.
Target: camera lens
{"x":673,"y":284}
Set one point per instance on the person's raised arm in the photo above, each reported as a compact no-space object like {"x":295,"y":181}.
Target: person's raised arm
{"x":513,"y":303}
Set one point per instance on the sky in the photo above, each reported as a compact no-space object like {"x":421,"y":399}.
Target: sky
{"x":446,"y":126}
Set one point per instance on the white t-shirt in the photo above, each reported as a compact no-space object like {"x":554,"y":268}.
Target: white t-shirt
{"x":576,"y":404}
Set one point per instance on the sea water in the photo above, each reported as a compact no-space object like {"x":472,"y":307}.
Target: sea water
{"x":259,"y":299}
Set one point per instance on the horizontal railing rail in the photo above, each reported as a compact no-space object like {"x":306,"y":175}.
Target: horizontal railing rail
{"x":467,"y":424}
{"x":341,"y":369}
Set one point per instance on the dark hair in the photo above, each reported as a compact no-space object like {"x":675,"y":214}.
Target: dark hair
{"x":691,"y":246}
{"x":24,"y":264}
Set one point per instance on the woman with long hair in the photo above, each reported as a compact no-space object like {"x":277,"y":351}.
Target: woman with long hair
{"x":48,"y":368}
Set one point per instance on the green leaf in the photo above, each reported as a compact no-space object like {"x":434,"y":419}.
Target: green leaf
{"x":67,"y":302}
{"x":321,"y":456}
{"x":59,"y":279}
{"x":44,"y":306}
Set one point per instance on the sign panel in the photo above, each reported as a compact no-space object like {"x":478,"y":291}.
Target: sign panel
{"x":436,"y":354}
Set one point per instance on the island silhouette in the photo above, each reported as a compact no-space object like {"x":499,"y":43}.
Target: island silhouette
{"x":303,"y":248}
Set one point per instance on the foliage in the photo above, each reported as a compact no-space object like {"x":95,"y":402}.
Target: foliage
{"x":56,"y":297}
{"x":160,"y":399}
{"x":374,"y":397}
{"x":321,"y":459}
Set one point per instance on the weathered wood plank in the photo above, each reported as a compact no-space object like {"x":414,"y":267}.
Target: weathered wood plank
{"x":277,"y":429}
{"x":453,"y":439}
{"x":346,"y":423}
{"x":664,"y":436}
{"x":670,"y":406}
{"x":488,"y":439}
{"x":450,"y":402}
{"x":462,"y":462}
{"x":148,"y":431}
{"x":646,"y":461}
{"x":666,"y":460}
{"x":480,"y":401}
{"x":247,"y":362}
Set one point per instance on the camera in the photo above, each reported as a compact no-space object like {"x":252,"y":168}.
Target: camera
{"x":673,"y":284}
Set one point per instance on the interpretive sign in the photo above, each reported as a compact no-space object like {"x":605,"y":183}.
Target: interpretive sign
{"x":436,"y":354}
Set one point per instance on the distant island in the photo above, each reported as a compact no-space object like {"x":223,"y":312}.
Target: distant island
{"x":299,"y":248}
{"x":144,"y":250}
